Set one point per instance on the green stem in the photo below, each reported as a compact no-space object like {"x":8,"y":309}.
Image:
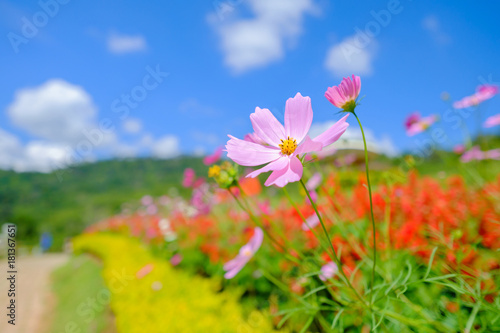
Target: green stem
{"x":337,"y":260}
{"x":371,"y":206}
{"x":275,"y":230}
{"x":472,"y":317}
{"x":259,"y":224}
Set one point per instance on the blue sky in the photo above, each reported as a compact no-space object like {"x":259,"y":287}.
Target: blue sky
{"x":224,"y":58}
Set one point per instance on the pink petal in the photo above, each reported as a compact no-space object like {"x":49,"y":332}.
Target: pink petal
{"x":250,"y":154}
{"x":232,"y":263}
{"x":256,"y":240}
{"x":232,"y":273}
{"x":492,"y":121}
{"x":308,"y":146}
{"x":357,"y":85}
{"x":279,"y":164}
{"x":314,"y":181}
{"x":267,"y":127}
{"x":310,"y":222}
{"x":291,"y":173}
{"x":333,"y":133}
{"x":211,"y":159}
{"x":298,"y":117}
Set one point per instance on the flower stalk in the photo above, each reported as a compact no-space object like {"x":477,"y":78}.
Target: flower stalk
{"x":371,"y":206}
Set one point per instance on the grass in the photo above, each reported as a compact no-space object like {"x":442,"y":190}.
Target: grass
{"x":82,"y":302}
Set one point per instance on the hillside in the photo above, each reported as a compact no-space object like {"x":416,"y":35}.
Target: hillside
{"x":39,"y":202}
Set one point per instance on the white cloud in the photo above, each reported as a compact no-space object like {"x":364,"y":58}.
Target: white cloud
{"x":62,"y":121}
{"x":433,"y":26}
{"x":256,"y":42}
{"x":34,"y":156}
{"x":351,"y":56}
{"x":166,"y":147}
{"x":353,"y":139}
{"x":132,"y":126}
{"x":120,"y":44}
{"x":56,"y":110}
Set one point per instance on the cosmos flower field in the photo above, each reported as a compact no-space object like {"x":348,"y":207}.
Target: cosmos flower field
{"x":322,"y":243}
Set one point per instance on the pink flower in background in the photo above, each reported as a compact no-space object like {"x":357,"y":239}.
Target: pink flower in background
{"x":176,"y":259}
{"x":312,"y":221}
{"x":200,"y":200}
{"x":483,"y":93}
{"x":493,"y":154}
{"x":345,"y":94}
{"x":492,"y":121}
{"x":151,"y":233}
{"x":420,"y":125}
{"x":459,"y":149}
{"x":314,"y":181}
{"x":328,"y":271}
{"x":247,"y":251}
{"x":285,"y":144}
{"x":486,"y":91}
{"x":314,"y":197}
{"x":473,"y":154}
{"x":199,"y":182}
{"x":412,"y":119}
{"x":476,"y":154}
{"x":144,"y":271}
{"x":264,"y":207}
{"x":146,"y":200}
{"x":211,"y":159}
{"x":151,"y":209}
{"x":346,"y":160}
{"x":189,"y":176}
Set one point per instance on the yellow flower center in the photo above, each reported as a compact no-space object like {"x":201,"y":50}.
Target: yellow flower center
{"x":288,"y":146}
{"x":214,"y":171}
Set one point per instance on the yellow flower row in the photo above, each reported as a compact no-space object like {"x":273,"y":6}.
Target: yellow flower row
{"x":148,"y":295}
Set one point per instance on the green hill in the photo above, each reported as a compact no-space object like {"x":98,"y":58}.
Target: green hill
{"x":64,"y":202}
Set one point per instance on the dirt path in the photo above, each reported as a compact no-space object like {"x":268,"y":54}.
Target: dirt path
{"x":32,"y":292}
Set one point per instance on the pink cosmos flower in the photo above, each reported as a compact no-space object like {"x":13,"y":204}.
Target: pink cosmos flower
{"x":459,"y":149}
{"x":346,"y":160}
{"x":472,"y":154}
{"x":146,"y":200}
{"x":420,"y":125}
{"x":310,"y":222}
{"x":345,"y":94}
{"x":176,"y":259}
{"x":247,"y":251}
{"x":328,"y":271}
{"x":211,"y":159}
{"x":314,"y":181}
{"x":493,"y":154}
{"x":483,"y":93}
{"x":144,"y":271}
{"x":492,"y":121}
{"x":475,"y":153}
{"x":314,"y":197}
{"x":412,"y":119}
{"x":151,"y":209}
{"x":189,"y":177}
{"x":285,"y":144}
